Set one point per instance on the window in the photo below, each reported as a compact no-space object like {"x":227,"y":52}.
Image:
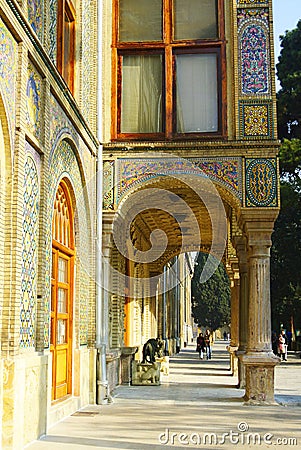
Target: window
{"x":66,"y":41}
{"x":168,"y":60}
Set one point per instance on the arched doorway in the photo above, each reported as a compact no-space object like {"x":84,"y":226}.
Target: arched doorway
{"x":62,"y":292}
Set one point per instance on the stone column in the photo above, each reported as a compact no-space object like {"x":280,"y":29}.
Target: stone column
{"x":240,"y":245}
{"x":107,"y":249}
{"x":103,"y":389}
{"x":259,"y":359}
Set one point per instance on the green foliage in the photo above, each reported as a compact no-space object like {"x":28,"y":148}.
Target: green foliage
{"x":288,"y":72}
{"x":286,"y":249}
{"x":290,"y":160}
{"x":211,"y":300}
{"x":286,"y":259}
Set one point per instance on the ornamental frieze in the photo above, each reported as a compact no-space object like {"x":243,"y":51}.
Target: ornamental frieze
{"x":131,"y":172}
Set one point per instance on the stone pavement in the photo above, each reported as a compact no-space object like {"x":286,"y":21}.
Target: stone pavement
{"x":197,"y":406}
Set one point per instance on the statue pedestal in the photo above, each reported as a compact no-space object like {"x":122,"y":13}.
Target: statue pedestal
{"x":145,"y":374}
{"x":127,"y":356}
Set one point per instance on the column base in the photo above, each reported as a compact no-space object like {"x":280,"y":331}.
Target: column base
{"x":233,"y":359}
{"x":259,"y":368}
{"x":241,"y":370}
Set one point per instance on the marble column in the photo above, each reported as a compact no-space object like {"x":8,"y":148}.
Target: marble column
{"x":103,"y":388}
{"x":259,"y":359}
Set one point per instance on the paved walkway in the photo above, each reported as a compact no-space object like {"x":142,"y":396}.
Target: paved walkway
{"x":197,"y":406}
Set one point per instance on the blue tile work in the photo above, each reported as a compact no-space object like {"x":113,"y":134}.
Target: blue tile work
{"x":88,"y":64}
{"x":33,"y":96}
{"x":254,"y":52}
{"x":29,"y":254}
{"x":261,"y":182}
{"x":59,"y":124}
{"x":35,"y":16}
{"x":255,"y":103}
{"x":53,"y":30}
{"x":222,"y":170}
{"x":8,"y":76}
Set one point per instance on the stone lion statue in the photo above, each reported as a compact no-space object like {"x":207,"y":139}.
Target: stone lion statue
{"x":152,"y":348}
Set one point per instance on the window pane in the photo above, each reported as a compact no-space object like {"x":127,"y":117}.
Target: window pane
{"x":197,"y":104}
{"x":63,"y":270}
{"x":140,"y":20}
{"x":61,"y":337}
{"x":195,"y":19}
{"x":62,"y":300}
{"x":141,"y":98}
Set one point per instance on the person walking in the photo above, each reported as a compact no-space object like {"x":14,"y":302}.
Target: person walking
{"x":200,"y":345}
{"x":281,"y":347}
{"x":283,"y":334}
{"x":208,"y":343}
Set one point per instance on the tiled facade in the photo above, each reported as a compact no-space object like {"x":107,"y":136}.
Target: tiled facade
{"x":45,"y":137}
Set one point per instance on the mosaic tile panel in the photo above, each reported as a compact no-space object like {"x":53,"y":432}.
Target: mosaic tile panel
{"x":35,"y":16}
{"x":35,"y":156}
{"x":225,"y":171}
{"x":261,"y":182}
{"x":59,"y":124}
{"x":252,"y":16}
{"x":33,"y":94}
{"x":252,"y":2}
{"x":8,"y":69}
{"x":52,"y":30}
{"x":108,"y":185}
{"x":253,"y":54}
{"x":29,"y":254}
{"x":84,"y":307}
{"x":64,"y":163}
{"x":87,"y":63}
{"x":255,"y":120}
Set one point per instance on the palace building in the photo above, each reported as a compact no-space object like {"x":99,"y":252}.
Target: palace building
{"x":132,"y":133}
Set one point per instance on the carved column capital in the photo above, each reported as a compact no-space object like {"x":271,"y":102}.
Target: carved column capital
{"x":258,"y":226}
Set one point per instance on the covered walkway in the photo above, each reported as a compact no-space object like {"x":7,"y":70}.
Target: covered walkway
{"x":196,"y":406}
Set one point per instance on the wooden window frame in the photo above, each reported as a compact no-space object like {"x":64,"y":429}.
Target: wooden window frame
{"x":168,"y":47}
{"x":66,"y":8}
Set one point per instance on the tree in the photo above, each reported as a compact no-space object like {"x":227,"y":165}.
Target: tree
{"x":286,"y":248}
{"x":286,"y":259}
{"x":288,"y":72}
{"x":211,"y":300}
{"x":290,"y":161}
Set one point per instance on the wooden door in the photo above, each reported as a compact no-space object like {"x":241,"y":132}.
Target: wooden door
{"x":62,"y":294}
